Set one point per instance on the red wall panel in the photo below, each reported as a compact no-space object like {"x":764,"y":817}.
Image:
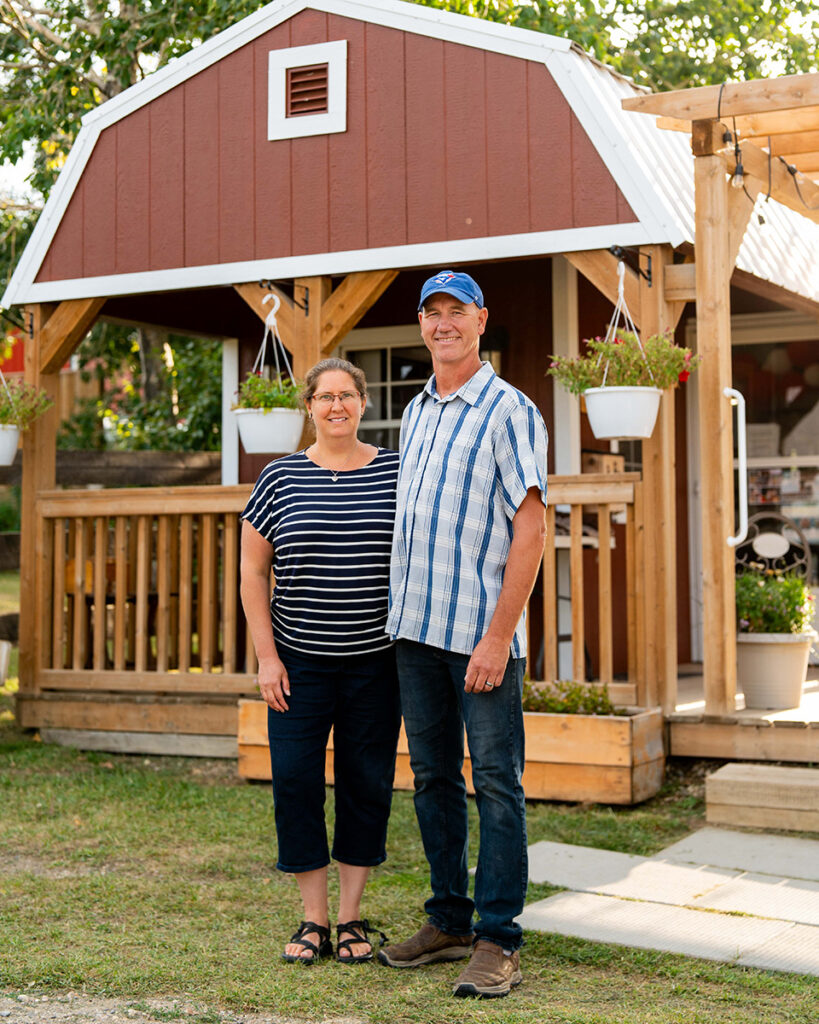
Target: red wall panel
{"x":442,"y":141}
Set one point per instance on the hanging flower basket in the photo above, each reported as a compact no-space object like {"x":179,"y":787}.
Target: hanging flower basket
{"x":20,"y":405}
{"x":621,"y":378}
{"x":624,"y":413}
{"x":267,"y":409}
{"x":269,"y":431}
{"x":9,"y":440}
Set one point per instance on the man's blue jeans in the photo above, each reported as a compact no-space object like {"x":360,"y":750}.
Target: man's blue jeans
{"x":436,"y":709}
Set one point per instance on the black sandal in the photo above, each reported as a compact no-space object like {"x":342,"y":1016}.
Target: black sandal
{"x":325,"y":949}
{"x":355,"y":928}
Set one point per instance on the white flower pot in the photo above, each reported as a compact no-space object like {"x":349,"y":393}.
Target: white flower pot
{"x":9,"y":439}
{"x":269,"y":431}
{"x":771,"y":668}
{"x":622,"y":413}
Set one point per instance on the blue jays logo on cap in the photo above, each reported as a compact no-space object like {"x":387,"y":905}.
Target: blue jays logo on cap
{"x":461,"y":286}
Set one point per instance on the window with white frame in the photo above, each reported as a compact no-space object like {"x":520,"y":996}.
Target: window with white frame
{"x":307,"y":90}
{"x":397,"y":365}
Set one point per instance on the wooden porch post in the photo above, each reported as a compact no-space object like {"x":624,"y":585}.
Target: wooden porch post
{"x":660,"y":509}
{"x":713,"y":276}
{"x":55,"y":333}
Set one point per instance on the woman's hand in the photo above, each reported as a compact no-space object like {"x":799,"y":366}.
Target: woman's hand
{"x":273,"y":683}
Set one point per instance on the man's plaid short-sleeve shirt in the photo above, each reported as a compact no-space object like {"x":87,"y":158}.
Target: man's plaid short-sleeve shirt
{"x":467,"y":461}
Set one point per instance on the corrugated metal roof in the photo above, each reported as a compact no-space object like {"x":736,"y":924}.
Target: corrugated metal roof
{"x":783,"y":250}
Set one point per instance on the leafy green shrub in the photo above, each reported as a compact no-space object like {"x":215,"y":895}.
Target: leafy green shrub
{"x":659,"y":364}
{"x":769,"y":602}
{"x":567,"y":697}
{"x":258,"y":392}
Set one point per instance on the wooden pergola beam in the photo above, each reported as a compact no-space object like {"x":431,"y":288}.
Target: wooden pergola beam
{"x":357,"y":293}
{"x":64,"y":329}
{"x":761,"y":95}
{"x":783,"y":184}
{"x":316,"y":321}
{"x":758,"y":126}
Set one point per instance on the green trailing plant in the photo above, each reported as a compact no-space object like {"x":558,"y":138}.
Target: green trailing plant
{"x":568,"y":697}
{"x":258,"y":392}
{"x":21,"y":404}
{"x":772,"y":602}
{"x":621,"y":362}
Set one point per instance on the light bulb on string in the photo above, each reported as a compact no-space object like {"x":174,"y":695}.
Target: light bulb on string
{"x":738,"y":177}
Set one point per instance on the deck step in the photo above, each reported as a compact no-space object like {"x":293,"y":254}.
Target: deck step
{"x":763,"y":796}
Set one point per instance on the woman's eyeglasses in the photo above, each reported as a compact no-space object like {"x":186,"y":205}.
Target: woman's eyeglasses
{"x":345,"y":396}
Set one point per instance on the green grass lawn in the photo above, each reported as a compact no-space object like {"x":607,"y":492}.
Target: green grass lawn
{"x":146,"y":876}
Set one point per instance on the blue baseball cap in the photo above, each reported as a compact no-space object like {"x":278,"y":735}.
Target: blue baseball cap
{"x":451,"y":283}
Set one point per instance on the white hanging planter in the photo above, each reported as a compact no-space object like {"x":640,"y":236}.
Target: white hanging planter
{"x":622,"y":413}
{"x":269,"y":431}
{"x":771,"y":668}
{"x":9,"y":439}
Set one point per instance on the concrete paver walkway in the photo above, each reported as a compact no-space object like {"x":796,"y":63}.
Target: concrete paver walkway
{"x":687,"y":898}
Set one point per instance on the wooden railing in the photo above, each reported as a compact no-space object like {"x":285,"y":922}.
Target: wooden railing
{"x":138,"y":589}
{"x":594,"y":504}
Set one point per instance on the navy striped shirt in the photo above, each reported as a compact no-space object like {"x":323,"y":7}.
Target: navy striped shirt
{"x":331,"y":551}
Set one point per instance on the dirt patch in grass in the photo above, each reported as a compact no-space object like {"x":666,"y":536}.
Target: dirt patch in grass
{"x":79,"y":1008}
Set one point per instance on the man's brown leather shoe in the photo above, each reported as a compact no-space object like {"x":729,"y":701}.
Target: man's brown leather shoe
{"x":490,"y":973}
{"x":427,"y":946}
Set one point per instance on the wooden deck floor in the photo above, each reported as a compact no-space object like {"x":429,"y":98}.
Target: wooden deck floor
{"x":790,"y":734}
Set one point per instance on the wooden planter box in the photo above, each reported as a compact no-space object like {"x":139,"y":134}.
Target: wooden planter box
{"x":610,"y":759}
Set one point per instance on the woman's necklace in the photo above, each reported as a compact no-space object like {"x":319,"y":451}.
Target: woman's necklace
{"x":334,"y":472}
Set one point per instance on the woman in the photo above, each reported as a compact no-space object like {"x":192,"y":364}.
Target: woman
{"x":322,"y":519}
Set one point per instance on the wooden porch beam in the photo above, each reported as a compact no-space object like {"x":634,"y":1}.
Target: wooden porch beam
{"x":731,"y":99}
{"x":716,"y":431}
{"x":759,"y":126}
{"x":679,"y":282}
{"x":599,"y":267}
{"x":64,"y":330}
{"x":254,"y":294}
{"x":659,"y":508}
{"x":357,"y":293}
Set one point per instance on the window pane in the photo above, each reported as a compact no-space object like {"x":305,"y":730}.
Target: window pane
{"x":372,"y":361}
{"x":781,"y":387}
{"x":402,"y":395}
{"x":410,"y":362}
{"x":376,"y":402}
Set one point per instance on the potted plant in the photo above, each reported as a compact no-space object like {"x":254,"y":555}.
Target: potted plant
{"x":622,"y":378}
{"x":268,"y":413}
{"x":774,"y":614}
{"x":20,"y":405}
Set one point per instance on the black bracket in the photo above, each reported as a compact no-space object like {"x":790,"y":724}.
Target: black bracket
{"x":302,"y":305}
{"x":620,"y":252}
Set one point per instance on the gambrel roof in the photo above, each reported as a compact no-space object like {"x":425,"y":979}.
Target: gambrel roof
{"x":464,"y":140}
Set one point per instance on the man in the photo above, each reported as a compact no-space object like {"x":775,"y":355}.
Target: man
{"x":468,"y":542}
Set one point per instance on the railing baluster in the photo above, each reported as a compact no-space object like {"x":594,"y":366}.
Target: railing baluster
{"x":78,"y":624}
{"x":230,"y":581}
{"x":604,"y":596}
{"x":100,"y":607}
{"x":120,"y":590}
{"x":208,"y":594}
{"x":163,"y":596}
{"x":185,"y":590}
{"x":639,"y":595}
{"x":631,"y":625}
{"x":576,"y":571}
{"x":143,"y":570}
{"x":58,"y":638}
{"x":549,"y":577}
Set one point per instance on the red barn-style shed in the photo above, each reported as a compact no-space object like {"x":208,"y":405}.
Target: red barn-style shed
{"x":339,"y":150}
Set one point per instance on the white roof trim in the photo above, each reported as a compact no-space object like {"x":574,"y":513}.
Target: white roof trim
{"x":540,"y":243}
{"x":608,"y":138}
{"x":406,"y":17}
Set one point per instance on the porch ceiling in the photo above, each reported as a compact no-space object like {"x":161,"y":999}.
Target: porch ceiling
{"x":771,"y":131}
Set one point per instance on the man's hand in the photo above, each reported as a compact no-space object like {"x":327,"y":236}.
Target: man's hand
{"x":487,"y":666}
{"x":273,"y":683}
